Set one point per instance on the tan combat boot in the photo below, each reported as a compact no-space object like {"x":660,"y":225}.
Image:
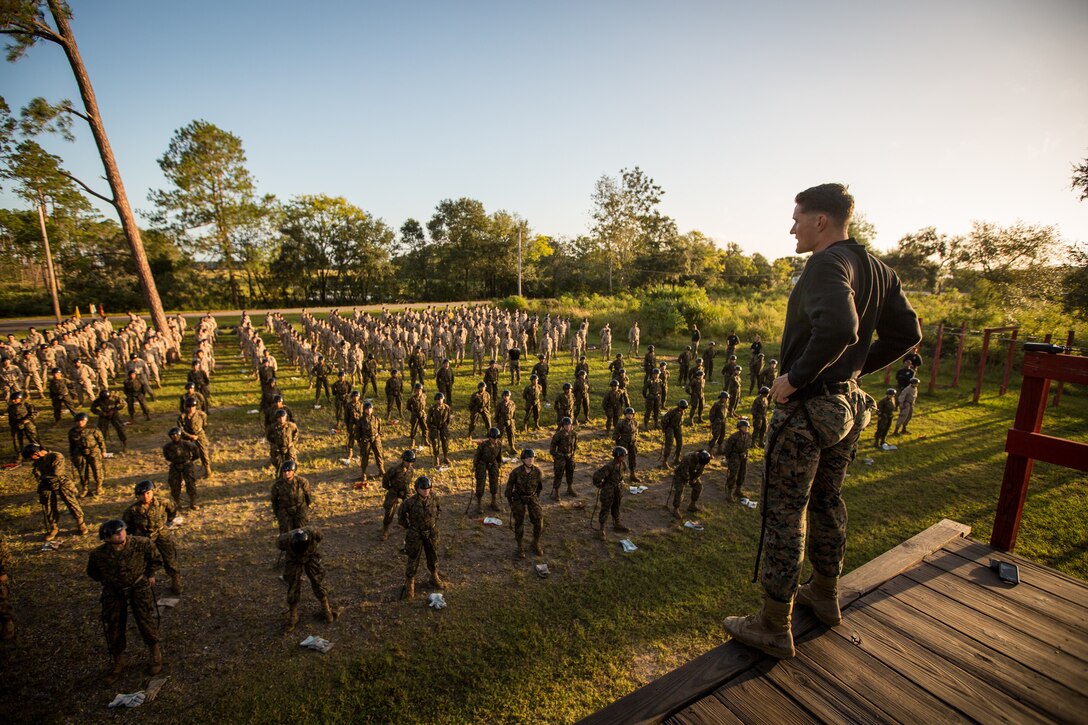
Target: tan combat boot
{"x":570,"y":489}
{"x":555,"y":492}
{"x":175,"y":583}
{"x":155,"y":665}
{"x":83,"y":530}
{"x":600,"y":532}
{"x":385,"y":531}
{"x":436,"y":580}
{"x":536,"y":546}
{"x":494,"y":504}
{"x":116,"y":670}
{"x":326,"y":611}
{"x":821,"y":595}
{"x":53,"y":531}
{"x":292,"y":618}
{"x":768,"y":631}
{"x":479,"y":505}
{"x":521,"y":550}
{"x":675,"y":511}
{"x":617,"y":526}
{"x":409,"y":588}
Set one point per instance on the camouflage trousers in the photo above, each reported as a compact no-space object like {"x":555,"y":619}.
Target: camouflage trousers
{"x":810,"y":446}
{"x":906,"y":412}
{"x":735,"y":475}
{"x":292,"y":574}
{"x":169,"y":552}
{"x":611,"y":497}
{"x":115,"y":606}
{"x":63,"y":490}
{"x":487,"y":474}
{"x":178,"y":475}
{"x":416,"y":544}
{"x":518,"y":508}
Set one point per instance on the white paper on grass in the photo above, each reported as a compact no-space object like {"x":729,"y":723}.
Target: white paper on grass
{"x":628,"y":546}
{"x":492,"y":521}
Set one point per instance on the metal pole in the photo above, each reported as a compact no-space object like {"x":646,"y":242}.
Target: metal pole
{"x":959,"y":356}
{"x":519,"y":263}
{"x":51,"y":276}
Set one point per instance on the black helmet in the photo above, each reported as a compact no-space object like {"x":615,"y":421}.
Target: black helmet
{"x":144,"y":486}
{"x":277,"y":398}
{"x":682,"y":404}
{"x":723,"y":394}
{"x":619,"y":452}
{"x":743,"y":423}
{"x":300,"y":540}
{"x":30,"y":449}
{"x":650,"y":348}
{"x":494,"y":433}
{"x":340,"y":373}
{"x":104,"y":393}
{"x":628,"y":411}
{"x":173,"y":432}
{"x":655,"y":371}
{"x":506,"y":393}
{"x":614,"y":383}
{"x":281,"y":413}
{"x":566,"y":386}
{"x":533,"y":377}
{"x":914,"y":381}
{"x":190,"y":385}
{"x":423,"y":482}
{"x":111,"y":528}
{"x":581,"y":373}
{"x":773,"y":361}
{"x":481,"y":385}
{"x":704,"y":456}
{"x":763,"y":389}
{"x":289,"y":465}
{"x":890,"y":391}
{"x":368,"y":404}
{"x":738,"y":368}
{"x":355,"y":393}
{"x":17,"y":395}
{"x":566,"y":421}
{"x":439,"y":396}
{"x":732,"y":357}
{"x":81,"y":417}
{"x":541,"y":356}
{"x":408,"y":456}
{"x":190,"y":402}
{"x":528,"y":453}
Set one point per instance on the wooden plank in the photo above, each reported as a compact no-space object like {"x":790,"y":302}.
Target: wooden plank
{"x":1039,"y":600}
{"x":1071,"y":640}
{"x":972,"y":697}
{"x":1067,"y":368}
{"x":975,"y":658}
{"x":1049,"y":580}
{"x":895,"y":561}
{"x":886,"y":689}
{"x":1047,"y":448}
{"x":708,"y":711}
{"x":825,"y":698}
{"x":1026,"y":650}
{"x":755,"y":700}
{"x":673,"y":691}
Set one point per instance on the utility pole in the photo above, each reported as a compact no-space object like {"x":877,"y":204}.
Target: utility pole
{"x":519,"y":262}
{"x":51,"y":277}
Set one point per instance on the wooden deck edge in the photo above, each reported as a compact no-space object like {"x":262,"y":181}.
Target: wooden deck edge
{"x":675,"y":690}
{"x":895,"y":561}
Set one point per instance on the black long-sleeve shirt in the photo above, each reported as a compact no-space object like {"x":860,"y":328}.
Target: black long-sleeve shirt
{"x":844,"y":295}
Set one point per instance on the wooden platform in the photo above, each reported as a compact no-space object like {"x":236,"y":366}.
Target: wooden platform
{"x":930,"y":635}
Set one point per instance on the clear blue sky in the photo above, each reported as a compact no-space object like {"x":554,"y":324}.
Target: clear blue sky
{"x":935,"y":113}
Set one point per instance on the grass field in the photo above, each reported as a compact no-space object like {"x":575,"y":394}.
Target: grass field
{"x":510,"y":647}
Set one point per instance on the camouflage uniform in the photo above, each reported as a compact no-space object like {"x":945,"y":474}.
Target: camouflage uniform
{"x":759,"y":420}
{"x":417,"y":411}
{"x":91,"y":446}
{"x":419,"y":516}
{"x":626,"y":435}
{"x":136,"y":391}
{"x":108,"y":409}
{"x":736,"y":458}
{"x":653,"y":391}
{"x":21,"y":420}
{"x":531,"y":396}
{"x":341,"y":389}
{"x":563,"y":448}
{"x":687,"y":474}
{"x":394,"y":390}
{"x":61,"y":395}
{"x":181,"y":455}
{"x":505,"y":414}
{"x":297,"y":563}
{"x":396,"y":481}
{"x":320,"y":373}
{"x":609,"y":479}
{"x":885,"y":412}
{"x":291,"y":500}
{"x":443,"y":379}
{"x":479,"y":407}
{"x":485,"y":464}
{"x":522,"y":488}
{"x":438,"y":430}
{"x":53,"y":483}
{"x":152,"y":521}
{"x":581,"y":399}
{"x":368,"y":429}
{"x":696,"y":385}
{"x":717,"y":424}
{"x":672,"y":428}
{"x":124,"y":577}
{"x":193,"y":428}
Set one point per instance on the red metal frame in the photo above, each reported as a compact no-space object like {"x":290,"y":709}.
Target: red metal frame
{"x":1025,"y":444}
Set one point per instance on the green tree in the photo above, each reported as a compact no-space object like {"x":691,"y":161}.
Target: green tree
{"x":1074,"y":292}
{"x":462,"y":235}
{"x":24,"y":21}
{"x":862,"y":230}
{"x":628,"y":227}
{"x":1080,"y":179}
{"x":212,"y":195}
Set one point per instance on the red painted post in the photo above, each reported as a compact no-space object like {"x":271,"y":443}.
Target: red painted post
{"x":959,"y":356}
{"x":936,"y":358}
{"x":1008,"y":361}
{"x":1014,"y":484}
{"x":982,"y":363}
{"x":887,"y":375}
{"x":1061,"y":383}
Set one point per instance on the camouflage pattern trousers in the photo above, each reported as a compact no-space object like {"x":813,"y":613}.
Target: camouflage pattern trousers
{"x":810,"y":446}
{"x":115,"y":606}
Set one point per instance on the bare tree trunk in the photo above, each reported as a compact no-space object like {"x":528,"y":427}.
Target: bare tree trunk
{"x":49,"y":262}
{"x":113,"y":174}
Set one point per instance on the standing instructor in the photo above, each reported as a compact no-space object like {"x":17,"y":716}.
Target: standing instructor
{"x":842,"y":298}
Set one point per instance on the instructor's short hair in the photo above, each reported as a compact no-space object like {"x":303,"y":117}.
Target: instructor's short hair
{"x":831,"y":199}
